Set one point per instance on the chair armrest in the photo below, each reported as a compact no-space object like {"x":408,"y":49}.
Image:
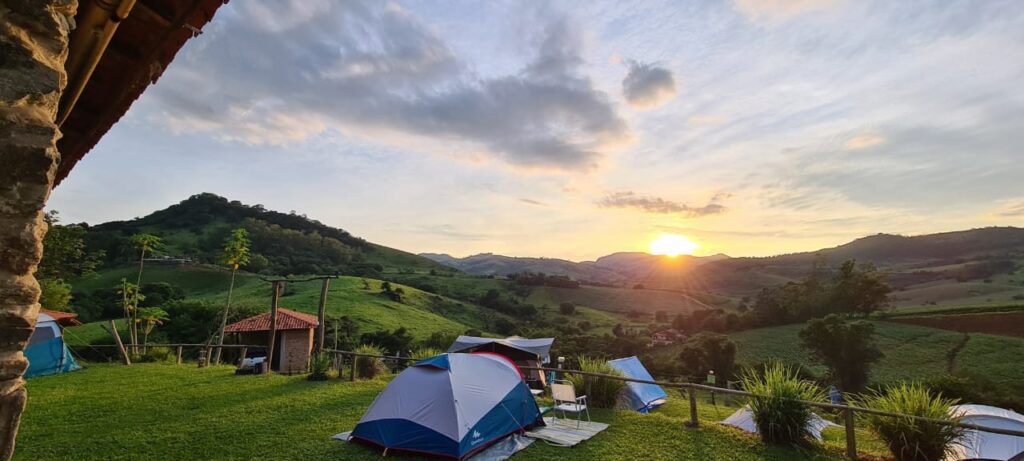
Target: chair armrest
{"x":581,"y":398}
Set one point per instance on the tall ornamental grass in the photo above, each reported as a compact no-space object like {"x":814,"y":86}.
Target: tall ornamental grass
{"x":778,"y":413}
{"x":600,"y":392}
{"x":909,"y":439}
{"x":369,"y":367}
{"x":426,"y":353}
{"x":319,"y":366}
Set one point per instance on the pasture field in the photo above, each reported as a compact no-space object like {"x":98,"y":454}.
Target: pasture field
{"x":618,"y":300}
{"x":912,"y":353}
{"x":1000,"y":323}
{"x":158,"y":412}
{"x":420,"y":312}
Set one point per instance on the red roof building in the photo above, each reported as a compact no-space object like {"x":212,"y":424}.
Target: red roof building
{"x":287,"y":319}
{"x":293,"y":342}
{"x":64,"y":319}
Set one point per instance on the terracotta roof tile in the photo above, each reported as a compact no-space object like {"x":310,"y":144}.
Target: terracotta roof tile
{"x":287,"y":319}
{"x":62,"y":318}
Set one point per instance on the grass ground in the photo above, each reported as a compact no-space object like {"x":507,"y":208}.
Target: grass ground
{"x":158,"y":412}
{"x":911,"y":353}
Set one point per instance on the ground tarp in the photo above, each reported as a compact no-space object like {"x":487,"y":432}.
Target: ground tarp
{"x":744,"y":419}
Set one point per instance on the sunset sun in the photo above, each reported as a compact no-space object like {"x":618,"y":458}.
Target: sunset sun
{"x":673,"y":245}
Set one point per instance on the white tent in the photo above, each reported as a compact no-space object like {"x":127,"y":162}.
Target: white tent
{"x":744,"y":419}
{"x":987,"y":445}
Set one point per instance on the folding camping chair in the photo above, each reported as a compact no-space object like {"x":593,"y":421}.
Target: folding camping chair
{"x":564,"y":395}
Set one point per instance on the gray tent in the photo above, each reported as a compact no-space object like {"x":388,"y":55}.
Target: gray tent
{"x":513,"y":347}
{"x":522,"y":351}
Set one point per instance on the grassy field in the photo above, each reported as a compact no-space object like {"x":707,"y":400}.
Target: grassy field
{"x":911,"y":353}
{"x":420,"y":312}
{"x":158,"y":412}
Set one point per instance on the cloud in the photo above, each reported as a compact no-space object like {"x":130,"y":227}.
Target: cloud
{"x":648,"y":85}
{"x":780,"y":10}
{"x":1013,"y":210}
{"x":370,"y":68}
{"x":863,"y":141}
{"x":649,"y":204}
{"x":532,"y":202}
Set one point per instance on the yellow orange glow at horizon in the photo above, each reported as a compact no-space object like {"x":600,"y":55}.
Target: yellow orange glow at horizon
{"x":673,"y":245}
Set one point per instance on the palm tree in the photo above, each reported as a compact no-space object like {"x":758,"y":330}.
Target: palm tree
{"x":150,"y":317}
{"x":236,"y":253}
{"x":131,"y":296}
{"x":144,"y":242}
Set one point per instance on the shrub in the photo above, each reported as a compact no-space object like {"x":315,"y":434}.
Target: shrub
{"x":319,"y":365}
{"x":600,"y":392}
{"x":369,"y":367}
{"x":909,"y":439}
{"x":567,"y":308}
{"x":426,"y":353}
{"x":778,"y":413}
{"x":153,"y":354}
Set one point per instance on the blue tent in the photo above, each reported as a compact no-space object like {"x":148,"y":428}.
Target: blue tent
{"x":451,"y":405}
{"x":640,"y":397}
{"x":46,"y":352}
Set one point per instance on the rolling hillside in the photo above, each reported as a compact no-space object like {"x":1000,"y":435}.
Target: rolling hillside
{"x":420,"y":312}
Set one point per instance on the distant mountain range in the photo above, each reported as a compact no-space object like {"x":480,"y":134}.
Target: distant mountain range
{"x":910,"y":260}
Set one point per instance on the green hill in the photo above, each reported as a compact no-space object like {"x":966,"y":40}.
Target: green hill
{"x":282,"y":243}
{"x":419,"y":312}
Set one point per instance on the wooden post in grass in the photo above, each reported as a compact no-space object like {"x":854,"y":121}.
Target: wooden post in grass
{"x":120,"y":345}
{"x":241,"y":356}
{"x":319,"y":344}
{"x":352,"y":377}
{"x":851,"y":437}
{"x":276,"y":289}
{"x":693,"y":407}
{"x":179,"y":355}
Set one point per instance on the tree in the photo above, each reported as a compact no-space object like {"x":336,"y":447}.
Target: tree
{"x":55,"y":294}
{"x":846,"y":348}
{"x":142,"y":242}
{"x":567,"y":308}
{"x":150,"y":317}
{"x":130,"y":299}
{"x":236,"y":253}
{"x":858,"y":289}
{"x":661,"y":316}
{"x":64,"y":252}
{"x":707,"y":351}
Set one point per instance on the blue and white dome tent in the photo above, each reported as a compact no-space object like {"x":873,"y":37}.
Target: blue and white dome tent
{"x":451,"y":405}
{"x":639,"y":396}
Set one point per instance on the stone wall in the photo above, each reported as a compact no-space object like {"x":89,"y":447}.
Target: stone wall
{"x":33,"y":47}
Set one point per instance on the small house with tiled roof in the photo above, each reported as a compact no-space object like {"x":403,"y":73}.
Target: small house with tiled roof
{"x":293,"y":342}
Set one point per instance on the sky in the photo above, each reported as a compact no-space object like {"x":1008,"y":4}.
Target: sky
{"x":574,"y":129}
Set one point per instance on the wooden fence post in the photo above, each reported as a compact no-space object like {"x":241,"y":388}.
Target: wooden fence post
{"x":241,"y":356}
{"x":693,"y":407}
{"x":276,"y":288}
{"x":120,"y":345}
{"x":851,"y":436}
{"x":202,"y":358}
{"x":352,"y":377}
{"x":179,"y":355}
{"x":319,"y":343}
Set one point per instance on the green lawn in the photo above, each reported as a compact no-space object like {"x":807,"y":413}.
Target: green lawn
{"x":159,"y":412}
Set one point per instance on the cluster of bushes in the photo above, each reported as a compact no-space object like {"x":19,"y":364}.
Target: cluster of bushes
{"x":509,"y":306}
{"x":541,"y":279}
{"x":600,"y":392}
{"x":782,"y":418}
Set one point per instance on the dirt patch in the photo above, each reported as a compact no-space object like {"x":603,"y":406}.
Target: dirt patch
{"x":1004,"y":324}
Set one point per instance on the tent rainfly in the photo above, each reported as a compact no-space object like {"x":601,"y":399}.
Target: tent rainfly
{"x":46,"y":352}
{"x":450,"y":405}
{"x":986,"y":445}
{"x":744,"y":419}
{"x":638,"y":396}
{"x":513,"y":347}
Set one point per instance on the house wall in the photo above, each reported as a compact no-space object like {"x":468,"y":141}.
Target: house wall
{"x":296,"y":346}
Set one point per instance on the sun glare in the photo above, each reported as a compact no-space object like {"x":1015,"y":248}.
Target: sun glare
{"x":673,"y":245}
